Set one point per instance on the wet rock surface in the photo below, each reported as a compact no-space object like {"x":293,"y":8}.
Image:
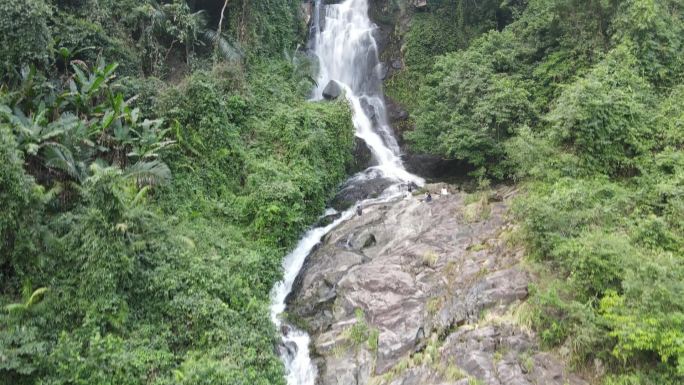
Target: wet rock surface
{"x":332,"y":90}
{"x":357,"y":190}
{"x":362,"y":155}
{"x":411,"y":292}
{"x":432,"y":166}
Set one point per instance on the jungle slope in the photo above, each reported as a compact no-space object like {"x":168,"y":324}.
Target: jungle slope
{"x":581,"y":104}
{"x":146,"y":207}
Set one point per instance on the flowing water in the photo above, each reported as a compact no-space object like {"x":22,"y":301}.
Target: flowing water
{"x":348,"y":54}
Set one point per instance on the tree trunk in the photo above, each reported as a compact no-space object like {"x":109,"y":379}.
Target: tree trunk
{"x":220,"y":26}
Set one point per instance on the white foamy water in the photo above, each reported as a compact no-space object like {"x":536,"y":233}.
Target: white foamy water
{"x":347,"y":54}
{"x":300,"y":370}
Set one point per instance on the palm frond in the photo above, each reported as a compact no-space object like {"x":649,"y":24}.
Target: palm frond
{"x":37,"y":296}
{"x":15,"y":308}
{"x":149,"y":173}
{"x":59,"y":157}
{"x":224,"y":48}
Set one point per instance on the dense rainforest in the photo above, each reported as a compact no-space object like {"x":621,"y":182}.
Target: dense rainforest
{"x":157,"y":163}
{"x":158,"y":159}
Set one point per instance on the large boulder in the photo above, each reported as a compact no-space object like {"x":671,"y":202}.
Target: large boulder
{"x":332,"y":90}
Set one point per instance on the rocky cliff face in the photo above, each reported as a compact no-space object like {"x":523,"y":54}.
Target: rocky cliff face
{"x":412,"y":292}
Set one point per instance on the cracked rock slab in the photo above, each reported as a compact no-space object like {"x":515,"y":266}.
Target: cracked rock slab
{"x":435,"y":275}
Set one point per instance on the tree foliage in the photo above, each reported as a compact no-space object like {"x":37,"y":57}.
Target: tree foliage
{"x":582,"y":102}
{"x":470,"y":104}
{"x":604,"y":115}
{"x":145,"y":218}
{"x":24,"y":34}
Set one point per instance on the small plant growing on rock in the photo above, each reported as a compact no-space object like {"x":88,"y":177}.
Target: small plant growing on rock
{"x":373,"y":340}
{"x":526,"y":362}
{"x":358,"y":332}
{"x":453,"y":373}
{"x":476,"y":207}
{"x":471,"y":198}
{"x":431,"y":353}
{"x":478,"y":247}
{"x":482,"y":273}
{"x":498,"y":355}
{"x":451,"y":271}
{"x":433,"y":305}
{"x":430,"y":259}
{"x":338,"y":350}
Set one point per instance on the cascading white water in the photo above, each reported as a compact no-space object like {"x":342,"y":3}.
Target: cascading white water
{"x":347,"y":54}
{"x":295,"y":346}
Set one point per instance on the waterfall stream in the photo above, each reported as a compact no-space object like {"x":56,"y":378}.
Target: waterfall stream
{"x":348,"y":54}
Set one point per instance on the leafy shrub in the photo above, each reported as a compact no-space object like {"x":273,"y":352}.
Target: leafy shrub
{"x":71,"y":3}
{"x":604,"y":115}
{"x":655,"y":28}
{"x":107,"y":359}
{"x":552,"y":213}
{"x":649,"y":315}
{"x":595,"y":261}
{"x":269,"y":28}
{"x":670,"y":118}
{"x":24,"y":34}
{"x":144,"y":92}
{"x":206,"y":126}
{"x":20,"y":198}
{"x":431,"y":34}
{"x":86,"y":40}
{"x":531,"y":154}
{"x":471,"y":105}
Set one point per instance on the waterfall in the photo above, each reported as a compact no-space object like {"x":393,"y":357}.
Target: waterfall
{"x":348,"y":55}
{"x":295,"y":343}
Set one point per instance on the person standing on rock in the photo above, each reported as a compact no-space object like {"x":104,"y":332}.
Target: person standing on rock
{"x":428,"y":197}
{"x":359,"y":211}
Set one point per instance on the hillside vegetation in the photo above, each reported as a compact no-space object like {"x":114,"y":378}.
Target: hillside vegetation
{"x":159,"y":158}
{"x":582,"y":102}
{"x":154,"y":169}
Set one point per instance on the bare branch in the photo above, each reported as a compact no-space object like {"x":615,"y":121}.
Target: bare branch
{"x":220,"y":24}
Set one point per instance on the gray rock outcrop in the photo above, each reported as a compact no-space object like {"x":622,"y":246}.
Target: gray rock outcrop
{"x":422,"y":293}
